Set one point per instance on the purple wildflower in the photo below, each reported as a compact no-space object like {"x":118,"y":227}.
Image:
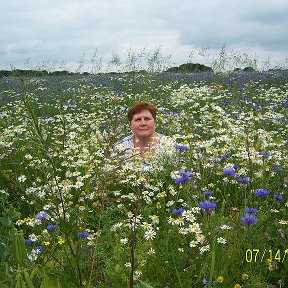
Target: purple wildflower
{"x":208,"y":193}
{"x":251,"y":211}
{"x":229,"y":172}
{"x":51,"y":228}
{"x":82,"y":234}
{"x":184,"y":176}
{"x":249,"y":219}
{"x":278,"y":197}
{"x":207,"y":205}
{"x":261,"y":192}
{"x":277,"y":168}
{"x":39,"y":249}
{"x":178,"y":211}
{"x":243,"y":180}
{"x":28,"y":241}
{"x":235,"y":167}
{"x":265,"y":154}
{"x":181,"y":148}
{"x":224,"y":158}
{"x":41,"y":215}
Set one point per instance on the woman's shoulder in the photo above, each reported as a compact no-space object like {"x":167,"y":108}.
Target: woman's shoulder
{"x":127,"y":139}
{"x":126,"y":142}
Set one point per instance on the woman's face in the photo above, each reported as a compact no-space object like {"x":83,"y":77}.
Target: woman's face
{"x":143,"y":124}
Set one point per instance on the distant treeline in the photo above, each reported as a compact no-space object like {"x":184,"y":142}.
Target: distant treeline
{"x":36,"y":73}
{"x":183,"y":68}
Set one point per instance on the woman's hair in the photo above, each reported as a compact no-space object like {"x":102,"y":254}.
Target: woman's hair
{"x":138,"y":107}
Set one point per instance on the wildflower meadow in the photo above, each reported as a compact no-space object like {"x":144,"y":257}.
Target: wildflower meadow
{"x":74,"y":212}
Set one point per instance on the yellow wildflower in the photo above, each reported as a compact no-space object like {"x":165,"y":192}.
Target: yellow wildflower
{"x":61,"y":241}
{"x":245,"y":276}
{"x":220,"y":279}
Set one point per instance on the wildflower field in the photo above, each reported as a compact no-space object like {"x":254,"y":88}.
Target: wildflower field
{"x":76,"y":213}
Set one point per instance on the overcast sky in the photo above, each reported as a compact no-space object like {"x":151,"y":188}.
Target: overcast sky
{"x":63,"y":33}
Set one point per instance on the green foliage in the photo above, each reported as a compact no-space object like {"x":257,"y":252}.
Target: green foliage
{"x":84,"y":210}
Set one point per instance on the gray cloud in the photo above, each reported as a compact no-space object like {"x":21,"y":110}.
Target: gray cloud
{"x":64,"y":30}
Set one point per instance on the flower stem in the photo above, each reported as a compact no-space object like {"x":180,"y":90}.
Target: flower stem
{"x":212,"y":264}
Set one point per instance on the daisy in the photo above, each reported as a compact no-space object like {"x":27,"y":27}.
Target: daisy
{"x":171,"y":220}
{"x":170,"y":203}
{"x":196,"y":210}
{"x":151,"y":251}
{"x":225,"y":227}
{"x":193,"y":243}
{"x":124,"y":241}
{"x":195,"y":228}
{"x":201,"y":238}
{"x":189,"y":217}
{"x":116,"y":226}
{"x":221,"y":240}
{"x":130,"y":214}
{"x":33,"y":237}
{"x":204,"y":249}
{"x":22,"y":178}
{"x":150,"y":234}
{"x":180,"y":221}
{"x":155,"y":219}
{"x":183,"y":231}
{"x":79,"y":184}
{"x":138,"y":272}
{"x":81,"y":208}
{"x":146,"y":225}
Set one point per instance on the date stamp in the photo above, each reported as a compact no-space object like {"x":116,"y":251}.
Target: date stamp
{"x":260,"y":255}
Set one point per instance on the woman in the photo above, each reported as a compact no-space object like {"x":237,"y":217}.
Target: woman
{"x":144,"y":141}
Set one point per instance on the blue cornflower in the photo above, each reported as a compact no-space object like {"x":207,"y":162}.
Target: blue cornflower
{"x":181,"y":148}
{"x":249,"y":219}
{"x":208,"y":193}
{"x":51,"y":227}
{"x":229,"y":172}
{"x":184,"y":176}
{"x":39,"y":249}
{"x":243,"y":180}
{"x":265,"y":154}
{"x":178,"y":211}
{"x":41,"y":215}
{"x":28,"y":241}
{"x":251,"y":211}
{"x":82,"y":234}
{"x":224,"y":157}
{"x":278,"y":197}
{"x":261,"y":192}
{"x":207,"y":205}
{"x":277,"y":168}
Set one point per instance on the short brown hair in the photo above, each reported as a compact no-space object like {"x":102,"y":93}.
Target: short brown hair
{"x":138,"y":107}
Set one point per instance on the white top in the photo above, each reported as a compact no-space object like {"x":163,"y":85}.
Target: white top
{"x":165,"y":144}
